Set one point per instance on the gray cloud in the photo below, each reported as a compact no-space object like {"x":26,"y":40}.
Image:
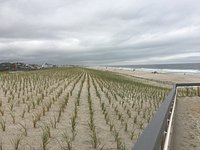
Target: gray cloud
{"x":93,"y":32}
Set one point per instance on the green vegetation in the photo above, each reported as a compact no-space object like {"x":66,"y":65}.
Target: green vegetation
{"x":80,"y":108}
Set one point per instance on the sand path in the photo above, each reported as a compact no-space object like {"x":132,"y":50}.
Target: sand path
{"x":187,"y":124}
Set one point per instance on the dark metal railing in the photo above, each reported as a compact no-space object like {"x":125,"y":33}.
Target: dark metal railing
{"x":153,"y":136}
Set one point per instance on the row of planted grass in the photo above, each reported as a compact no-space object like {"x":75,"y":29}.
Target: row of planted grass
{"x":46,"y":104}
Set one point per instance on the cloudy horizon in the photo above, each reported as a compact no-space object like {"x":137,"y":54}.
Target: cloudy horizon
{"x":100,"y":32}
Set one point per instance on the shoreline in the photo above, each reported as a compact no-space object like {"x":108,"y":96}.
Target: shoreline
{"x":163,"y":70}
{"x":168,"y":78}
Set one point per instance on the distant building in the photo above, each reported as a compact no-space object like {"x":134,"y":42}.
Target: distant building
{"x":5,"y":66}
{"x":14,"y":67}
{"x":46,"y":65}
{"x":18,"y":66}
{"x":34,"y":66}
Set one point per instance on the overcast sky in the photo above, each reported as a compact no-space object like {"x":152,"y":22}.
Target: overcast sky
{"x":100,"y":32}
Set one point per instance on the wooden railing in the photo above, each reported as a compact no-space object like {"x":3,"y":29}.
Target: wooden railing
{"x":156,"y":135}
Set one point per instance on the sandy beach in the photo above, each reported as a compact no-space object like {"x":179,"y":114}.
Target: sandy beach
{"x":74,"y":108}
{"x":167,"y":77}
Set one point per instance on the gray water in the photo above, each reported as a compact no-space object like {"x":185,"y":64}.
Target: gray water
{"x":186,"y":66}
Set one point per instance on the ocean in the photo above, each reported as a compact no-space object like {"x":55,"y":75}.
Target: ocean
{"x":184,"y":68}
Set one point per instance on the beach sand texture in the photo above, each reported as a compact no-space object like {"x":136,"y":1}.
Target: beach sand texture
{"x":168,"y":77}
{"x":47,"y":95}
{"x":186,"y":134}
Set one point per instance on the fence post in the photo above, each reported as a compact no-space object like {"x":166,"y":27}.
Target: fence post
{"x":163,"y":140}
{"x":187,"y":92}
